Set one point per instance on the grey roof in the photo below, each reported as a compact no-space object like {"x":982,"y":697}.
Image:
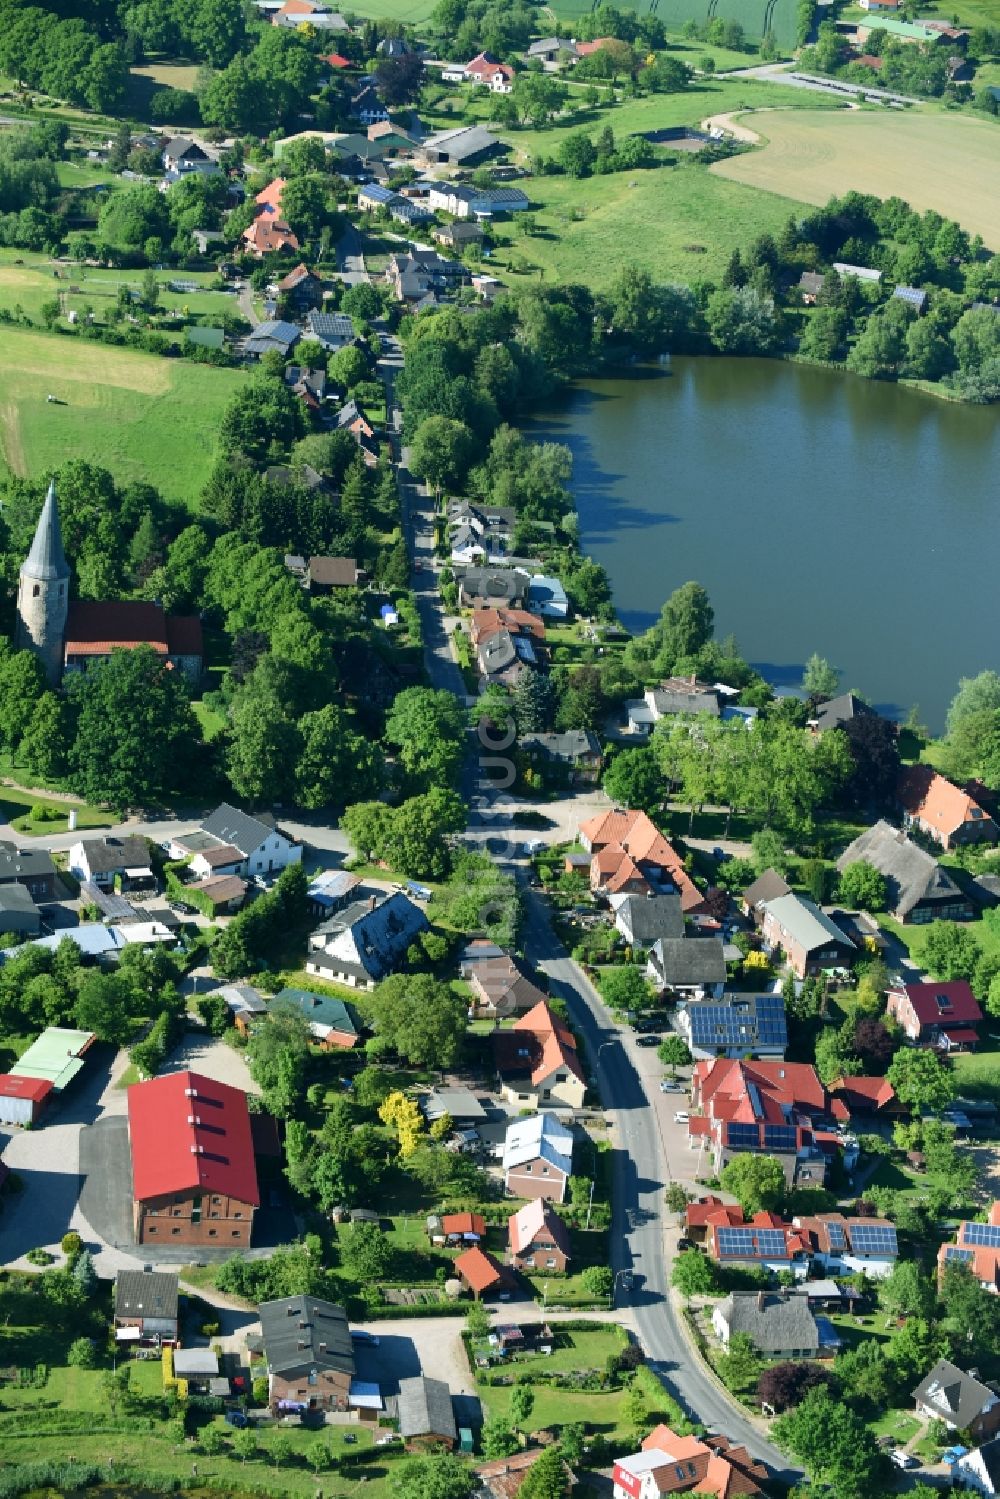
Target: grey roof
{"x":911,"y":874}
{"x":47,"y":560}
{"x":230,"y":825}
{"x":840,"y":710}
{"x":149,"y":1293}
{"x":273,"y":332}
{"x":457,"y":1103}
{"x":106,"y":855}
{"x":567,"y":747}
{"x":199,"y":1363}
{"x":18,"y":898}
{"x":330,"y":325}
{"x":23,"y":863}
{"x":667,"y":700}
{"x":989,"y":1455}
{"x":912,"y":295}
{"x":502,"y":585}
{"x":689,"y":960}
{"x":957,"y":1397}
{"x":774,"y":1323}
{"x":372,"y":940}
{"x":805,"y":923}
{"x":424,"y":1407}
{"x":242,"y":999}
{"x":320,"y":1326}
{"x":550,"y":44}
{"x":767,"y":886}
{"x":650,"y":918}
{"x":461,"y":143}
{"x":181,"y":146}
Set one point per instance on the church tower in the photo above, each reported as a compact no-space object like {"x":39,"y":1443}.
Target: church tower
{"x":43,"y":592}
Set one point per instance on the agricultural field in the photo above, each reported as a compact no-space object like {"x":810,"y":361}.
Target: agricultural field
{"x":28,"y":281}
{"x":756,"y":16}
{"x":947,"y":162}
{"x":152,"y":76}
{"x":139,"y":415}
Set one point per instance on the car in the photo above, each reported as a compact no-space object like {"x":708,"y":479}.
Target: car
{"x":626,"y":1278}
{"x":681,"y":1116}
{"x":667,"y":1085}
{"x":239,"y":1419}
{"x":648,"y":1024}
{"x":647,"y":1040}
{"x":903,"y":1459}
{"x":418,"y":566}
{"x":360,"y":1336}
{"x":683,"y":1244}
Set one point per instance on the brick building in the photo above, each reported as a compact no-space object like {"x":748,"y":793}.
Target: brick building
{"x":194,"y":1180}
{"x":309,"y":1354}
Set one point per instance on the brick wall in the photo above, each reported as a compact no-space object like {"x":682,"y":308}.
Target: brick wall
{"x":210,"y":1218}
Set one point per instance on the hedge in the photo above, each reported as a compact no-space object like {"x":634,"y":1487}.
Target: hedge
{"x":360,"y":1311}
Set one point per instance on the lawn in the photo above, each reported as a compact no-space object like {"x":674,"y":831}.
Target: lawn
{"x":16,"y":803}
{"x":977,"y":1073}
{"x":141,"y":416}
{"x":28,"y":281}
{"x":947,"y":162}
{"x":600,"y":1410}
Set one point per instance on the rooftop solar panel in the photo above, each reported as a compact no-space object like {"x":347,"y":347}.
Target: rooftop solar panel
{"x":869,"y":1239}
{"x":779,"y":1137}
{"x":981,"y":1233}
{"x":954,"y":1253}
{"x":836,"y":1235}
{"x":743,"y":1136}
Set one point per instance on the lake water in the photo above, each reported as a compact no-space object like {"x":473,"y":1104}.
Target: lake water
{"x":821,"y":511}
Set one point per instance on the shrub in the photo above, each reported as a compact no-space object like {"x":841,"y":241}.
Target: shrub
{"x":81,"y":1354}
{"x":39,"y":1257}
{"x":71,"y":1245}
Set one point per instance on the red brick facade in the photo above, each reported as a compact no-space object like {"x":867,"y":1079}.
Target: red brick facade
{"x":189,"y":1218}
{"x":327,"y":1390}
{"x":537,"y":1178}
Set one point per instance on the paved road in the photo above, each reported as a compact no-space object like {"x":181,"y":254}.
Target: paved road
{"x":775,"y":72}
{"x":350,"y":257}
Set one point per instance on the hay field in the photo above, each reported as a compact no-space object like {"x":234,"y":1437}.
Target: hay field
{"x":947,"y":162}
{"x":139,"y":415}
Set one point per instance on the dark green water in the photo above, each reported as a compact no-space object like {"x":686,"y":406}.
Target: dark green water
{"x":822,"y":512}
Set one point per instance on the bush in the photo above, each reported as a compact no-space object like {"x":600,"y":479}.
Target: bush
{"x":71,"y":1245}
{"x":259,"y":1390}
{"x":81,"y":1354}
{"x":39,"y":1257}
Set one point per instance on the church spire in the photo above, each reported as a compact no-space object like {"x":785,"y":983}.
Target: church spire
{"x":47,"y":561}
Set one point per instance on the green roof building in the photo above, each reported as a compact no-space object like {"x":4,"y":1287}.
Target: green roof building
{"x":57,"y":1056}
{"x":333,"y":1023}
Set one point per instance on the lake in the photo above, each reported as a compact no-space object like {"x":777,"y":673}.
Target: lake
{"x":821,"y":511}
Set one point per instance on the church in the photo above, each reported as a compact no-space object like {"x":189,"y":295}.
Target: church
{"x":73,"y":636}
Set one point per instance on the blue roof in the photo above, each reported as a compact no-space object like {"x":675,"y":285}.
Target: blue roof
{"x":746,"y":1021}
{"x":547,"y":588}
{"x":92,"y":938}
{"x":911,"y":294}
{"x":378,"y":194}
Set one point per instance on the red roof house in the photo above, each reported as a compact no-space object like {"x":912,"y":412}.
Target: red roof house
{"x":470,"y":1226}
{"x":944,"y":1015}
{"x":866,"y":1095}
{"x":480,"y":1271}
{"x":767,"y":1108}
{"x":539,"y":1239}
{"x":194,"y":1179}
{"x":630,"y":856}
{"x":538,"y":1060}
{"x":943,"y":811}
{"x":978,"y":1247}
{"x":95,"y":629}
{"x":672,"y":1464}
{"x":22,"y":1099}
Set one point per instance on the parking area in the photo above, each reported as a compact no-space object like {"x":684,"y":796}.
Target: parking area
{"x":442,"y":1355}
{"x":213,"y":1057}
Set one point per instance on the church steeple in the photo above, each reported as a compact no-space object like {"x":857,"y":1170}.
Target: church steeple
{"x":43,"y":592}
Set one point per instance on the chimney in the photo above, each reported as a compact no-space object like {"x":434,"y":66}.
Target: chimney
{"x":761,"y":1300}
{"x":372,"y":902}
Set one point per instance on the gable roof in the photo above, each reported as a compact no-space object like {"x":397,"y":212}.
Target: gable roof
{"x":535,"y":1218}
{"x":305,"y":1329}
{"x":840,"y":710}
{"x":648,"y":918}
{"x":146,"y":1293}
{"x":942,"y":1003}
{"x":189,"y":1132}
{"x":22,"y":863}
{"x":543,"y":1135}
{"x":324,"y":1011}
{"x":333,"y":572}
{"x":863,"y":1092}
{"x":774,"y":1323}
{"x":461,"y":143}
{"x":106,"y":855}
{"x":938,"y":802}
{"x":956,"y":1396}
{"x":502,"y":981}
{"x":973,"y":1247}
{"x":95,"y":628}
{"x":688,"y":960}
{"x":540,"y":1044}
{"x":747,"y":1021}
{"x":425,"y":1409}
{"x":230,"y":825}
{"x":480,"y":1269}
{"x":912,"y":875}
{"x":746,"y":1092}
{"x":767,"y":886}
{"x":371,"y":939}
{"x":805,"y":923}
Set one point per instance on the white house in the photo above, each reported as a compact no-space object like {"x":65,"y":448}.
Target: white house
{"x":979,"y":1470}
{"x":262,"y":846}
{"x":183,"y":155}
{"x":366,"y":942}
{"x":103,"y":860}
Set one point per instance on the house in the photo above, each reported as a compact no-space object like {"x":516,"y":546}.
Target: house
{"x":268,"y":235}
{"x":538,"y":1238}
{"x":857,"y":272}
{"x":492,"y":588}
{"x":246,"y":1004}
{"x":332,"y":1024}
{"x":56,"y":1056}
{"x":330,"y":891}
{"x":977,"y":1245}
{"x":810,"y":284}
{"x":261,"y":844}
{"x":426,"y":1418}
{"x":672,"y":1464}
{"x":769,"y":1108}
{"x":326,"y":574}
{"x":302,"y":289}
{"x":547,"y":596}
{"x":919,"y":890}
{"x":912,"y":296}
{"x":506,"y":655}
{"x":537,"y":1061}
{"x":373,"y":198}
{"x":368,"y":107}
{"x":413,"y":274}
{"x":334,"y":330}
{"x":958,"y":1399}
{"x":575,"y":752}
{"x":502,"y":985}
{"x":457,"y":235}
{"x":194,"y":1179}
{"x":460,"y":1105}
{"x":688,"y":967}
{"x":275,"y":336}
{"x":502,"y":1478}
{"x":943,"y":811}
{"x":463,"y":1228}
{"x":537,"y":1158}
{"x":850,"y":1245}
{"x":629,"y":856}
{"x":479,"y":1271}
{"x":94,"y":630}
{"x":18,"y":912}
{"x":767,"y":886}
{"x":218,"y":860}
{"x":765,"y":1241}
{"x":943,"y":1015}
{"x":979,"y":1470}
{"x":809,"y":940}
{"x":553,"y":52}
{"x":644,"y":920}
{"x":683,"y":696}
{"x":890,"y":7}
{"x":838,"y":711}
{"x":294,"y":13}
{"x":105,"y":860}
{"x":779,"y":1326}
{"x":734,"y":1025}
{"x":462,"y":146}
{"x":366,"y":942}
{"x":225,"y":893}
{"x":182,"y":155}
{"x":309,"y":1354}
{"x":487,"y":71}
{"x":23,"y":1099}
{"x":31,"y":867}
{"x":146,"y":1307}
{"x":867,"y":1096}
{"x":486,"y":622}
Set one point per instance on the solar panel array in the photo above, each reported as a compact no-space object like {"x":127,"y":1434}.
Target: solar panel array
{"x":838,"y":1239}
{"x":982,"y":1233}
{"x":954,"y":1253}
{"x":751,"y":1242}
{"x":869,"y":1238}
{"x":780,"y":1137}
{"x":743,"y":1136}
{"x":743,"y":1023}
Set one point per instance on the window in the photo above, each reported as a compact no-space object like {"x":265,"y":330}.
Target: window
{"x":235,"y":1233}
{"x":216,"y":1201}
{"x":213,"y":1215}
{"x":550,"y":1262}
{"x":237,"y":1215}
{"x":213,"y":1233}
{"x":35,"y":591}
{"x":151,"y":1228}
{"x":175,"y":1230}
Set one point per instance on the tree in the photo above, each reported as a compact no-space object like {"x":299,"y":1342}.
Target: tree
{"x":673,"y":1052}
{"x":442,"y":452}
{"x":428,"y":726}
{"x":365,"y":1252}
{"x":534,"y":703}
{"x":577,"y":154}
{"x":873,"y":1044}
{"x":81,"y":1354}
{"x":522,"y":1403}
{"x":598,"y":1280}
{"x":634,"y":779}
{"x":547,"y":1477}
{"x":819,"y":679}
{"x":399,"y":79}
{"x":403,"y":1115}
{"x":920,"y":1079}
{"x":756,"y":1181}
{"x":906,"y":1292}
{"x":742,"y":321}
{"x":46,"y":741}
{"x":693,"y":1274}
{"x":862,"y":885}
{"x":498,"y":1436}
{"x":245,"y":1444}
{"x":950,"y":951}
{"x":625,"y":987}
{"x":421,"y":1019}
{"x":438,"y":1476}
{"x":783,"y":1386}
{"x":833,"y":1443}
{"x":740,"y":1366}
{"x":825,"y":334}
{"x":676,"y":1198}
{"x":873,"y":743}
{"x":104,"y":1005}
{"x":336,"y":763}
{"x":834,"y":1056}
